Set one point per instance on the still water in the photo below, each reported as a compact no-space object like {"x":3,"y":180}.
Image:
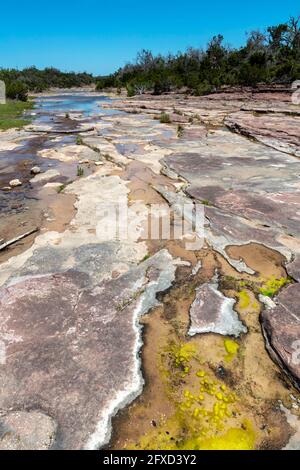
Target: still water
{"x":88,"y":104}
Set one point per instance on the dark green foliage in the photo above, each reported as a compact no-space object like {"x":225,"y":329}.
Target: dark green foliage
{"x":204,"y":88}
{"x":80,"y":171}
{"x":269,"y":57}
{"x":20,"y":82}
{"x":17,"y":90}
{"x":165,"y":118}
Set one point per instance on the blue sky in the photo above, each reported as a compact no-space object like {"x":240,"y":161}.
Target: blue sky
{"x":101,"y":36}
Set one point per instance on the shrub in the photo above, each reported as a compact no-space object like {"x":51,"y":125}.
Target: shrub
{"x":204,"y":88}
{"x":130,"y":90}
{"x":180,"y":130}
{"x":17,"y":90}
{"x":161,"y":86}
{"x":165,"y":118}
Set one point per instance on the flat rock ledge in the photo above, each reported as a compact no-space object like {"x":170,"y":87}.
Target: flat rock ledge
{"x":278,"y":131}
{"x":212,"y":312}
{"x":281,"y":328}
{"x":58,"y":339}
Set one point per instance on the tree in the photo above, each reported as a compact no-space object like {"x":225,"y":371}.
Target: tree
{"x":17,"y":90}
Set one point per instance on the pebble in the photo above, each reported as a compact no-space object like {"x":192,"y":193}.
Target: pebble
{"x":35,"y":170}
{"x":15,"y":182}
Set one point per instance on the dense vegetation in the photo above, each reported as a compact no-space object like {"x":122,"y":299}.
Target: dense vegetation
{"x":20,"y":82}
{"x":268,"y":57}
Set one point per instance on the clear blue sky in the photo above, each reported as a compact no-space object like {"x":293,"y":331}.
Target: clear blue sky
{"x":99,"y":36}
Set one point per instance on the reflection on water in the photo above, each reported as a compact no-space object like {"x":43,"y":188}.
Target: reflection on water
{"x":88,"y":104}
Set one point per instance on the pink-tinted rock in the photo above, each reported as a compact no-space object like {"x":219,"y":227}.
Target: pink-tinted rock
{"x":281,"y":326}
{"x":293,"y":268}
{"x":23,"y":430}
{"x":71,"y":352}
{"x":280,"y":131}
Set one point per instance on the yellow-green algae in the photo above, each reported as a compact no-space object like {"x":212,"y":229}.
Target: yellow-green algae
{"x":181,"y":354}
{"x":272,"y":285}
{"x":234,"y":439}
{"x":206,"y":412}
{"x":232,"y":348}
{"x":244,"y":299}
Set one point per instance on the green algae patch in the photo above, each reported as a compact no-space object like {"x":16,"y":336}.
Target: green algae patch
{"x":244,"y":299}
{"x":246,"y":302}
{"x":232,"y":348}
{"x":234,"y":439}
{"x":181,"y":355}
{"x":271,"y":286}
{"x":206,"y":411}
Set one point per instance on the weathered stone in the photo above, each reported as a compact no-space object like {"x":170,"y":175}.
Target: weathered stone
{"x":60,"y":340}
{"x":212,"y":312}
{"x":48,"y":175}
{"x":294,"y":422}
{"x":26,"y":430}
{"x":15,"y":182}
{"x":275,"y":130}
{"x":70,"y":153}
{"x":281,"y":326}
{"x":228,"y":174}
{"x":293,"y":268}
{"x":35,"y":170}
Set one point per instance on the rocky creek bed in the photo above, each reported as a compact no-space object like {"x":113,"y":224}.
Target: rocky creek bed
{"x":143,"y":343}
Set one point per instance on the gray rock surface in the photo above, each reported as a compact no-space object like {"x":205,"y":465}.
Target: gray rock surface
{"x":281,"y":326}
{"x":35,"y":170}
{"x":275,"y":130}
{"x":26,"y":430}
{"x":60,"y":339}
{"x":212,"y":312}
{"x":46,"y":176}
{"x":15,"y":182}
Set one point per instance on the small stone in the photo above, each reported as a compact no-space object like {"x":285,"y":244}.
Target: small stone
{"x":83,"y":161}
{"x":15,"y":182}
{"x":6,"y":188}
{"x":99,"y":163}
{"x":35,"y":170}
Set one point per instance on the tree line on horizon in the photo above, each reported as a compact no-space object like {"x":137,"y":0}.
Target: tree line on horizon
{"x":270,"y":57}
{"x":21,"y":82}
